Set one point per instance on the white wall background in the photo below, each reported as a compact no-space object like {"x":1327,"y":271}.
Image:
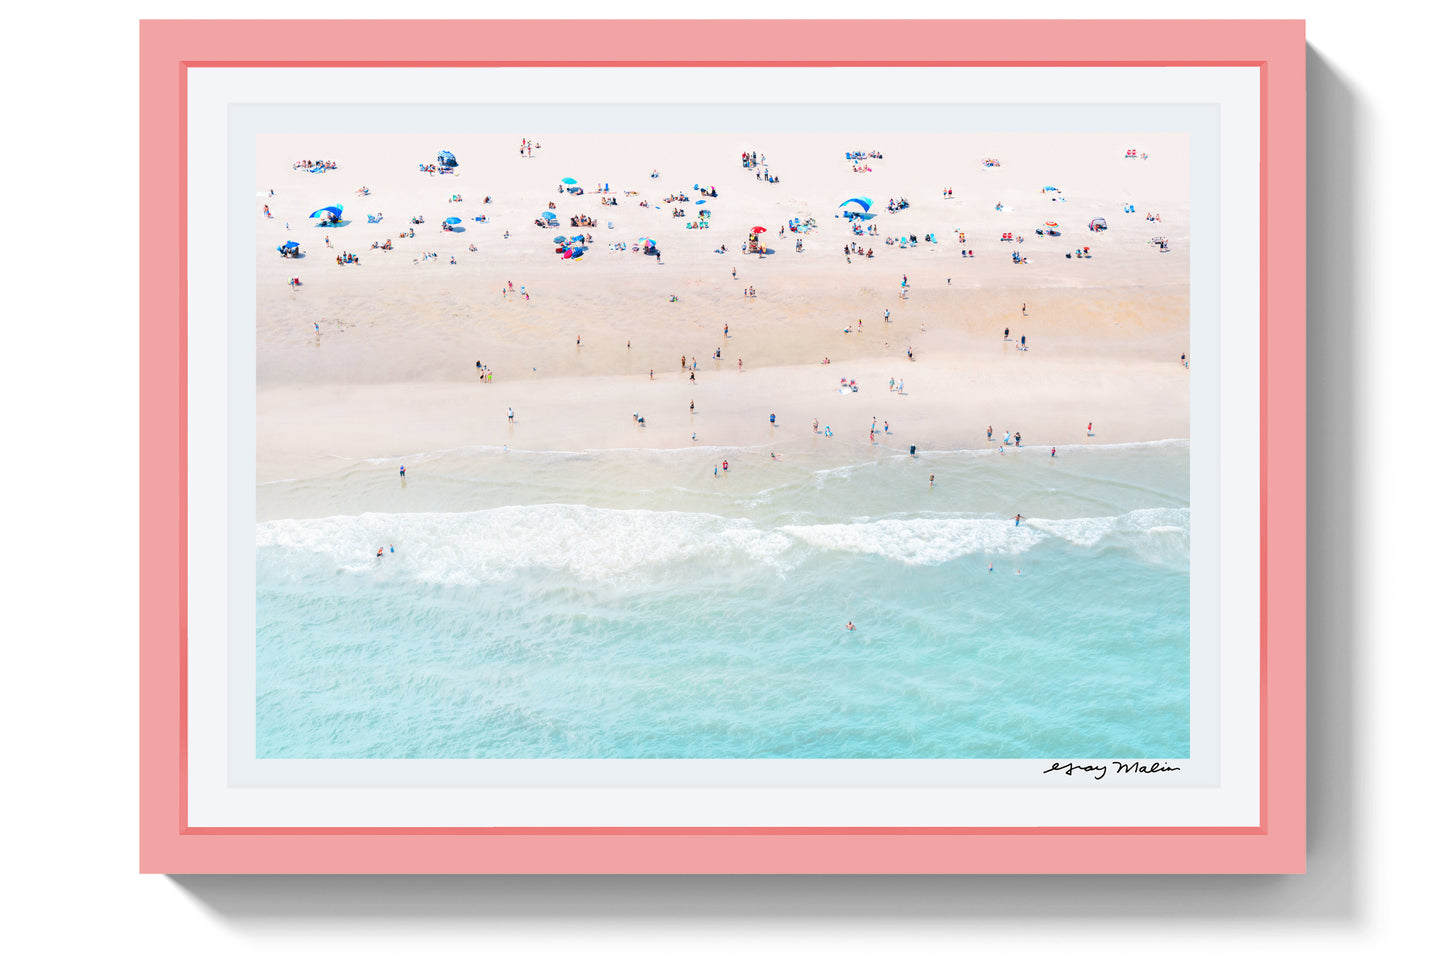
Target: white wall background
{"x":68,"y":603}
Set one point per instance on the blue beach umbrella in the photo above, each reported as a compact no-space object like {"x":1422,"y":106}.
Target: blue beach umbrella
{"x":289,"y":245}
{"x":334,"y":210}
{"x":569,"y":180}
{"x":548,"y":216}
{"x":452,"y":220}
{"x":560,"y":239}
{"x":863,"y":202}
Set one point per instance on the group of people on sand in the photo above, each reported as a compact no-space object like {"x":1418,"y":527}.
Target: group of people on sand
{"x":484,"y":373}
{"x":346,"y":258}
{"x":328,"y":165}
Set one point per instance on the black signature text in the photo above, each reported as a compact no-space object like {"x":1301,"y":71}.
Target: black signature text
{"x":1098,"y":770}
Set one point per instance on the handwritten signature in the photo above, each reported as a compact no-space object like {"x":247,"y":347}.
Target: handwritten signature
{"x":1099,"y":770}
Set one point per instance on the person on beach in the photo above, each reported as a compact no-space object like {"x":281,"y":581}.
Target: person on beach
{"x":930,"y":481}
{"x":1090,"y":429}
{"x":886,"y":315}
{"x":1018,"y":440}
{"x":378,"y":553}
{"x":990,"y":432}
{"x":691,"y":408}
{"x":1053,"y":452}
{"x":772,"y":419}
{"x":714,"y":471}
{"x":1005,"y":334}
{"x":392,"y":549}
{"x":725,"y":464}
{"x":649,"y":374}
{"x":403,"y":471}
{"x":815,"y":426}
{"x":725,"y":334}
{"x":510,"y":415}
{"x":740,"y":366}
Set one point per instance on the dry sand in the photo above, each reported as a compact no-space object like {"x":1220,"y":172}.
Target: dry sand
{"x":393,"y":371}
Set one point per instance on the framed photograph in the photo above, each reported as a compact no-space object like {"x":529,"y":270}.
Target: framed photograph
{"x":968,"y":535}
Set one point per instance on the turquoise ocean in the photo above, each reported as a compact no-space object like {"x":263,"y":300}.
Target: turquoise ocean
{"x":631,"y":604}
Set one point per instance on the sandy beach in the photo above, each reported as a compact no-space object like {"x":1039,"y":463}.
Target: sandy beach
{"x":377,"y":359}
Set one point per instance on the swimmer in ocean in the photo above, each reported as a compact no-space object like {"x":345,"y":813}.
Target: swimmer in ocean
{"x":1017,"y":519}
{"x":850,"y":627}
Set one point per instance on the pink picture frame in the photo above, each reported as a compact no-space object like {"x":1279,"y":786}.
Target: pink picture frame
{"x":169,"y":843}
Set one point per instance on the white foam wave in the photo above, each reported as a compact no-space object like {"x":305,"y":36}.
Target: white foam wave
{"x":920,"y":541}
{"x":494,"y":545}
{"x":620,"y":545}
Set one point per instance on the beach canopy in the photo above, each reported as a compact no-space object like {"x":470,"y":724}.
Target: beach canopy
{"x":569,"y":180}
{"x":452,"y":220}
{"x":446,"y":158}
{"x":1098,"y":224}
{"x":334,"y":211}
{"x":289,"y":245}
{"x":863,"y":202}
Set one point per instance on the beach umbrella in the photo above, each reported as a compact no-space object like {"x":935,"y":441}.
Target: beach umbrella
{"x":863,"y":202}
{"x":760,"y":230}
{"x":569,"y":180}
{"x":548,"y":216}
{"x":648,"y":241}
{"x":334,"y":209}
{"x":452,"y":220}
{"x":288,"y":246}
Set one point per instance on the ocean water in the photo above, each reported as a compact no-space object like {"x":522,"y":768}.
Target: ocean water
{"x":633,"y":605}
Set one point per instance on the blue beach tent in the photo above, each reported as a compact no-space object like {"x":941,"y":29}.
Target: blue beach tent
{"x":446,"y":158}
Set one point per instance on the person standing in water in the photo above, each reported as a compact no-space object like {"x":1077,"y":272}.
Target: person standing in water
{"x":1017,"y":519}
{"x":403,"y":471}
{"x":930,"y":481}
